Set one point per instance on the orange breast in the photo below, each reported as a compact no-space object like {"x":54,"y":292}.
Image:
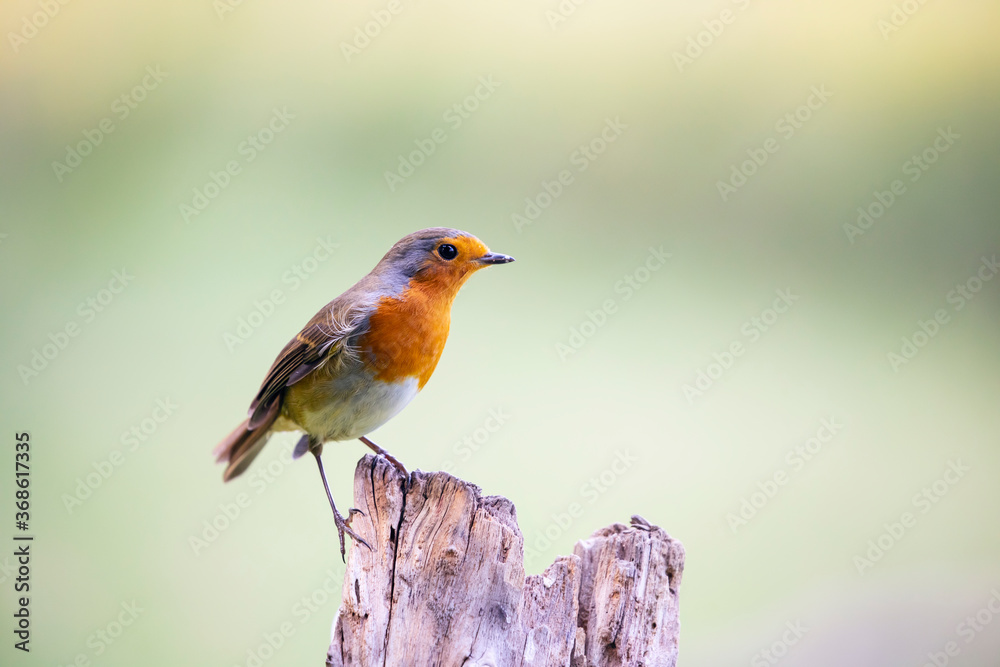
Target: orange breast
{"x":406,"y":334}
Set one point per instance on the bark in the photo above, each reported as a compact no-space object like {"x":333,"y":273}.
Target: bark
{"x":444,"y":584}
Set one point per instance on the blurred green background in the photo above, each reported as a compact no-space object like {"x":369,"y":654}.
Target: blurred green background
{"x":557,"y":74}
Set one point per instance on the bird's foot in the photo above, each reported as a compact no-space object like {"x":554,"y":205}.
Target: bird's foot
{"x":344,"y":526}
{"x":388,"y":457}
{"x":394,"y":461}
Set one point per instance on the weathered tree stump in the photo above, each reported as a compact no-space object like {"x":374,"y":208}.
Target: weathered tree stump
{"x":444,"y":584}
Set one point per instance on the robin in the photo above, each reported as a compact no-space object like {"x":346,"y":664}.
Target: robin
{"x":363,"y":356}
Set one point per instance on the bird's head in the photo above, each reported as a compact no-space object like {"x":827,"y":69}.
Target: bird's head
{"x":439,"y":258}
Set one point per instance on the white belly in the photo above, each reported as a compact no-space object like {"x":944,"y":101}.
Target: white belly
{"x":358,"y":406}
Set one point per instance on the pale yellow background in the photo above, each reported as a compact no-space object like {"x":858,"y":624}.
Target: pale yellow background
{"x":163,"y":336}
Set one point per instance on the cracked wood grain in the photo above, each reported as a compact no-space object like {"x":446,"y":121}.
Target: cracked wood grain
{"x":444,"y":584}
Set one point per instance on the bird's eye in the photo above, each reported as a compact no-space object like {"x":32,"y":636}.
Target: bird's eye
{"x":447,"y":251}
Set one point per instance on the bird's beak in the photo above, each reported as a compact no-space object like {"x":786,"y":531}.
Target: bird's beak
{"x":495,"y":258}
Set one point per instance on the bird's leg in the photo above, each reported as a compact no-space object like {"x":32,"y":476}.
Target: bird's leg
{"x":342,"y":525}
{"x":381,"y":452}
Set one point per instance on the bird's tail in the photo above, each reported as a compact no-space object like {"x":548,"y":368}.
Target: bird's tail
{"x":243,"y":445}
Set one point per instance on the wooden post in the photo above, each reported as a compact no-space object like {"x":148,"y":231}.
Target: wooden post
{"x":444,"y":584}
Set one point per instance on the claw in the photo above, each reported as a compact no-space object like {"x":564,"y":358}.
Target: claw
{"x":345,"y":527}
{"x":388,"y":457}
{"x":399,"y":466}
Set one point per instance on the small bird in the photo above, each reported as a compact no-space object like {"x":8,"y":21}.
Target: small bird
{"x":363,"y":356}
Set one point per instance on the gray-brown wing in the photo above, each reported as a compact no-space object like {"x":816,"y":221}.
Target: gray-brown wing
{"x":324,"y":338}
